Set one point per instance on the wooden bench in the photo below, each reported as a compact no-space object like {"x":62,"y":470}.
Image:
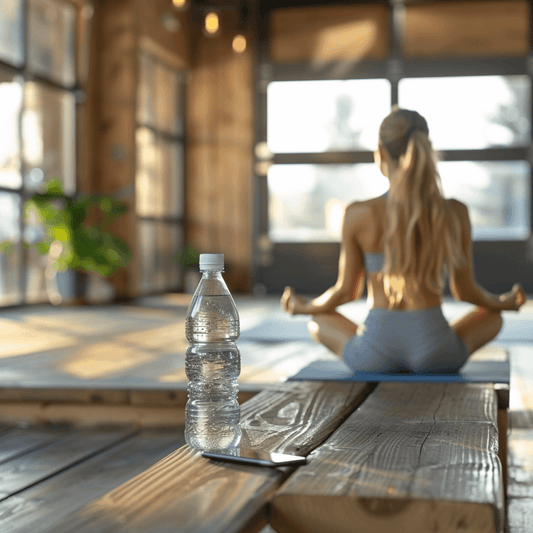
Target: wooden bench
{"x":187,"y":493}
{"x":489,"y":365}
{"x":400,"y":457}
{"x":412,"y":458}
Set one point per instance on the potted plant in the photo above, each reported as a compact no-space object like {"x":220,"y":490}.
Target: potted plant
{"x":77,"y":236}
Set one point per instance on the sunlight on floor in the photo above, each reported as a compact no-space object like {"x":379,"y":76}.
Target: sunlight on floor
{"x":18,"y":340}
{"x":102,"y":359}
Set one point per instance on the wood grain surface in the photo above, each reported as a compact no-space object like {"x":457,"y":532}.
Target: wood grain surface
{"x":63,"y":449}
{"x":412,"y":458}
{"x":19,"y":441}
{"x":185,"y":492}
{"x":47,"y":504}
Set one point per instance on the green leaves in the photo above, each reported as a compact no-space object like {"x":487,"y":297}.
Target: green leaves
{"x":188,"y":258}
{"x":81,"y":225}
{"x":7,"y":247}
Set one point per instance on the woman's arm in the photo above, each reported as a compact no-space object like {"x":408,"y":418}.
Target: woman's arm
{"x":463,"y":285}
{"x":351,"y":278}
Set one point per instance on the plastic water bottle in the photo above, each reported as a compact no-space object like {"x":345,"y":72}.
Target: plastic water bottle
{"x":212,"y":362}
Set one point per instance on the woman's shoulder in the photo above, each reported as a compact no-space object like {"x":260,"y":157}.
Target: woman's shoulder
{"x":362,"y":215}
{"x":365,"y":206}
{"x":358,"y":211}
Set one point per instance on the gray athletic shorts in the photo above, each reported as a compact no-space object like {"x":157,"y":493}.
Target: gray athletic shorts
{"x":405,"y":341}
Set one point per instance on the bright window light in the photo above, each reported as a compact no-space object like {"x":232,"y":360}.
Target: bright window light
{"x":326,"y":115}
{"x":471,"y":112}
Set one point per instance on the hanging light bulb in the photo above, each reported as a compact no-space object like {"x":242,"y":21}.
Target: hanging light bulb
{"x":180,"y":4}
{"x":211,"y":23}
{"x":239,"y":43}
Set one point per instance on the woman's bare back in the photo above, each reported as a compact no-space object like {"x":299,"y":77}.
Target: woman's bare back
{"x":369,"y":233}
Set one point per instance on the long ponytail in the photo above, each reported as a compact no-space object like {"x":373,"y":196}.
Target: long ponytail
{"x":423,"y":235}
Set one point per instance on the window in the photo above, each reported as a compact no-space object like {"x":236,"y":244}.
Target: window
{"x":469,"y":112}
{"x":159,"y":174}
{"x":38,"y":134}
{"x":318,"y":116}
{"x":462,"y":65}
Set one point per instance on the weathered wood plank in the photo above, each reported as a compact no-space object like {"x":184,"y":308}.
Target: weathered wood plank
{"x":85,"y":415}
{"x":74,"y":446}
{"x":411,"y":450}
{"x":19,"y":441}
{"x":185,"y":492}
{"x":47,"y":504}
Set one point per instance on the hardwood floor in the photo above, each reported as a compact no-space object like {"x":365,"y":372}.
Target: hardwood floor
{"x":131,"y":358}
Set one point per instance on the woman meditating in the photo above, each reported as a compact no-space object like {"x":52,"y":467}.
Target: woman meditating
{"x":405,"y":242}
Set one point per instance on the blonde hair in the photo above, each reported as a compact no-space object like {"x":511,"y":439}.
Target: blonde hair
{"x":423,"y":233}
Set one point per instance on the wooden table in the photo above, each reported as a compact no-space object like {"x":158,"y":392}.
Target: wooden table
{"x":402,"y":457}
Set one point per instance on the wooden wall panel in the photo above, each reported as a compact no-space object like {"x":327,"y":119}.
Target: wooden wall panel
{"x":175,"y":44}
{"x":220,"y":135}
{"x":115,"y":132}
{"x":446,"y":29}
{"x":329,"y":33}
{"x":121,"y":29}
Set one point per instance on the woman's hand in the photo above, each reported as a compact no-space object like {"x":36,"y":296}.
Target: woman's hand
{"x":294,"y":304}
{"x":514,"y":299}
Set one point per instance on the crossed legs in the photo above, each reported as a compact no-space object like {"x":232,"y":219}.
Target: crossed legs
{"x":332,"y":330}
{"x":476,"y":328}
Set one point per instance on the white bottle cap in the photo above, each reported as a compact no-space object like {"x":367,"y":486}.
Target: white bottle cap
{"x":211,"y":261}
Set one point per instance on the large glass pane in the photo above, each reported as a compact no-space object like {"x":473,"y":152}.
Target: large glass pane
{"x":166,"y":106}
{"x":10,"y":106}
{"x":172,"y":158}
{"x":145,"y":91}
{"x":159,"y":177}
{"x":12,"y":32}
{"x":471,"y":112}
{"x":317,"y":116}
{"x":153,"y":257}
{"x":52,"y":40}
{"x":497,"y":194}
{"x":159,"y":96}
{"x":148,"y":187}
{"x":176,"y":245}
{"x":10,"y":260}
{"x":36,"y":263}
{"x":306,"y":202}
{"x":48,"y":135}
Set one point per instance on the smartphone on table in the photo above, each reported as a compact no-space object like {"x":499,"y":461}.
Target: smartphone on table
{"x":257,"y":458}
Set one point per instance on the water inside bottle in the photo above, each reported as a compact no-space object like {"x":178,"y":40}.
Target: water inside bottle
{"x":212,"y":365}
{"x":212,"y":318}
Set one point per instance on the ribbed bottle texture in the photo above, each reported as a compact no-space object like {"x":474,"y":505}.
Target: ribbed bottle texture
{"x":212,"y":364}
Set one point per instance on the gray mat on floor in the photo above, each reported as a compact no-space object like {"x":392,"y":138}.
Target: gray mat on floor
{"x":516,"y":329}
{"x":277,"y":330}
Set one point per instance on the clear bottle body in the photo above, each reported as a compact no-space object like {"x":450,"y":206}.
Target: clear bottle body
{"x":212,"y":365}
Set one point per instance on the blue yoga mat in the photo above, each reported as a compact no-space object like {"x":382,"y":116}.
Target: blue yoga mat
{"x":471,"y":372}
